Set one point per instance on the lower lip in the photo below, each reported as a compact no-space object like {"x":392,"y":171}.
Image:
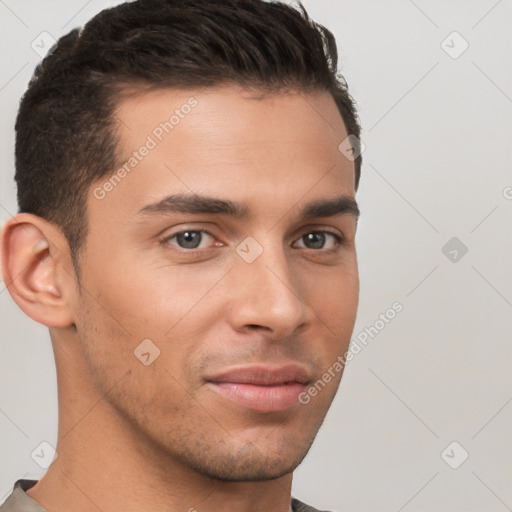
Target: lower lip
{"x":261,"y":398}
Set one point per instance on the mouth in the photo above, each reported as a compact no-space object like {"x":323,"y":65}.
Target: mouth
{"x":262,"y":388}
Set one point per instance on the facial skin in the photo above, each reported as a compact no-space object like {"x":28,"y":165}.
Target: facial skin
{"x":164,"y":430}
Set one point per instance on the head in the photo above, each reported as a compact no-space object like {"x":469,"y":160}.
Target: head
{"x":188,"y":213}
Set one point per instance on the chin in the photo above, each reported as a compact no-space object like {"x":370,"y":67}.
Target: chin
{"x":247,"y":464}
{"x":246,"y":470}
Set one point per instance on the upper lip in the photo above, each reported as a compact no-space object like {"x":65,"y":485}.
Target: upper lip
{"x":263,"y":375}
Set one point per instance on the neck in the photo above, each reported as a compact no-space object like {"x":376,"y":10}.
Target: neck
{"x":104,"y":464}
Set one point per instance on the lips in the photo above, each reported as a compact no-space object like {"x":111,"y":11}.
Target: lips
{"x":261,"y":388}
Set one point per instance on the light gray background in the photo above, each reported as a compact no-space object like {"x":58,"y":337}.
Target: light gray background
{"x":438,"y":157}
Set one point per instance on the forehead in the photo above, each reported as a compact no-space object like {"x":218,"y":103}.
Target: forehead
{"x":227,"y":142}
{"x":231,"y":105}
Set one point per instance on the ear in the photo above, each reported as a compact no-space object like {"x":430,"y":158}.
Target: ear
{"x":37,"y":269}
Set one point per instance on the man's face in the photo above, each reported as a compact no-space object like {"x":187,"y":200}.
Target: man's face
{"x":246,"y":311}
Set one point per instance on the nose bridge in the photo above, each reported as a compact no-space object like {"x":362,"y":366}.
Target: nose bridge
{"x":268,"y":294}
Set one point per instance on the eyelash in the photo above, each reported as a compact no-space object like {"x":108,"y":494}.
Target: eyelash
{"x":193,"y":252}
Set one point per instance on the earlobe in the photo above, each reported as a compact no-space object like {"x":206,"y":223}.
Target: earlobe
{"x":37,"y":270}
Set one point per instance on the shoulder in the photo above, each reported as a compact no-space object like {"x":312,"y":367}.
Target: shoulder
{"x":298,"y":506}
{"x":19,"y":501}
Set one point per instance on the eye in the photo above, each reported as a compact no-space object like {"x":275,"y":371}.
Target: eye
{"x":317,"y":240}
{"x":188,"y":239}
{"x":191,"y":240}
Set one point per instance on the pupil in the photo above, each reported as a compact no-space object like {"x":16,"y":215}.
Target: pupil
{"x":189,"y":239}
{"x":316,"y":240}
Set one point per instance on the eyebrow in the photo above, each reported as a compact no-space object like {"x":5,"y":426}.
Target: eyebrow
{"x":185,"y":203}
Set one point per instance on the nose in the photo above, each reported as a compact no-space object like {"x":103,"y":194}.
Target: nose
{"x":267,"y":295}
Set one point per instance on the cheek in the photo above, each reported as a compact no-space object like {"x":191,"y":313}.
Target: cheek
{"x":126,"y":304}
{"x":150,"y":298}
{"x":334,"y":298}
{"x":136,"y":375}
{"x":333,"y":293}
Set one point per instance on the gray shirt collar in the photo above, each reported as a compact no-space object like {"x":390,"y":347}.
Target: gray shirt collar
{"x":20,"y":500}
